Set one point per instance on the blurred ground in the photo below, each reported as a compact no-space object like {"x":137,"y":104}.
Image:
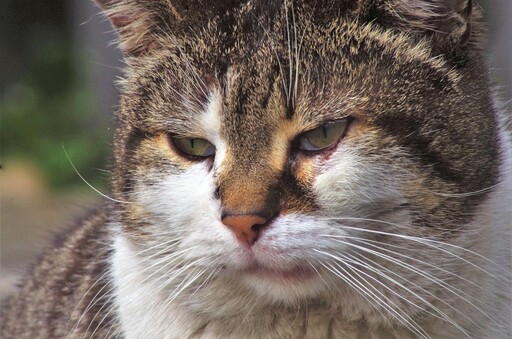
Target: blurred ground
{"x":30,"y":215}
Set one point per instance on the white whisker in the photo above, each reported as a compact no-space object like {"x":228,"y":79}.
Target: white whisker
{"x":89,"y":184}
{"x":380,"y":273}
{"x":366,"y":293}
{"x":425,"y":241}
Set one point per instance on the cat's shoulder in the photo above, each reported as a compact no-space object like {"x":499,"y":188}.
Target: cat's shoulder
{"x":70,"y":281}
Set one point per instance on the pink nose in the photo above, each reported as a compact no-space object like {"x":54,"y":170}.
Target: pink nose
{"x":246,"y":226}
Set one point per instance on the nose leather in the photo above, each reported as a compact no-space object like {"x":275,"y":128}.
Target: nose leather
{"x":246,"y":226}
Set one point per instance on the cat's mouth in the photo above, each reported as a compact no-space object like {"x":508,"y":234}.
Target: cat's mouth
{"x":294,"y":275}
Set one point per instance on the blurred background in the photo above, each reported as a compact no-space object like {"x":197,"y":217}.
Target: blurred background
{"x":58,"y":65}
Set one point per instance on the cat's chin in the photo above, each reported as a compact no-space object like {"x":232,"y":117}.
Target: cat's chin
{"x":283,"y":285}
{"x":295,"y":275}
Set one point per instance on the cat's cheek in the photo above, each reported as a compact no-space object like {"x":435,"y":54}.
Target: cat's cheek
{"x":186,"y":208}
{"x":181,"y":194}
{"x":350,"y":184}
{"x":180,"y":200}
{"x":337,"y":182}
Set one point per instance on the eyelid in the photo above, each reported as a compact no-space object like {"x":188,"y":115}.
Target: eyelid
{"x":186,"y":135}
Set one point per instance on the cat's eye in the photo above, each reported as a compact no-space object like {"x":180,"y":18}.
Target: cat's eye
{"x":195,"y":147}
{"x":323,"y":136}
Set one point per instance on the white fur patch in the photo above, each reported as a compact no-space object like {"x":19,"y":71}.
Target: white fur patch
{"x":211,"y":122}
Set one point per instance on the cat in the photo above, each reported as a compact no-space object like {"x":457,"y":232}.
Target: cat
{"x":291,"y":169}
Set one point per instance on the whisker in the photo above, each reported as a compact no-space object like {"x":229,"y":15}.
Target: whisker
{"x":205,"y":282}
{"x":427,"y":242}
{"x":349,"y":282}
{"x":329,"y":286}
{"x":168,"y":261}
{"x":394,"y":281}
{"x":87,"y":183}
{"x":183,"y":285}
{"x":290,"y":57}
{"x":366,"y":292}
{"x":412,"y":268}
{"x":89,"y":305}
{"x":105,"y":316}
{"x":177,"y":273}
{"x":427,"y":275}
{"x":442,"y":315}
{"x":163,"y":249}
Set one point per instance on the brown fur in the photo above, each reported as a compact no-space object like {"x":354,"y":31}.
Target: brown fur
{"x":410,"y":75}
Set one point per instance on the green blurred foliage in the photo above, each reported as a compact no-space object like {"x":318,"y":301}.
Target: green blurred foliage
{"x":49,"y":108}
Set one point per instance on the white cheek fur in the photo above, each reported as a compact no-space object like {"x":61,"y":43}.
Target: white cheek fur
{"x":348,"y":184}
{"x":181,"y":207}
{"x":184,"y":203}
{"x":186,"y":208}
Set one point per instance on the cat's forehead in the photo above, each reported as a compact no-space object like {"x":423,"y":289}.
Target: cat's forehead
{"x":303,"y":52}
{"x":266,"y":73}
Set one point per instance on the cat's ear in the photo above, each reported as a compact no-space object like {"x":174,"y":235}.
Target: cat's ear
{"x":139,"y":23}
{"x":448,"y":22}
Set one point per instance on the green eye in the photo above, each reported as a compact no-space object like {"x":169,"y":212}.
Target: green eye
{"x":323,"y":136}
{"x":194,"y":146}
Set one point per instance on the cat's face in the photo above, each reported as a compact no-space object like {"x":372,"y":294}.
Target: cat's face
{"x":283,"y":158}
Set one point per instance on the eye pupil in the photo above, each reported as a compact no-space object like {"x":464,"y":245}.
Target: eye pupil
{"x":324,"y":131}
{"x":323,"y":136}
{"x":195,"y":147}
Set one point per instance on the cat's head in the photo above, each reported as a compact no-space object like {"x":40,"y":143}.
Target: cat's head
{"x":283,"y":151}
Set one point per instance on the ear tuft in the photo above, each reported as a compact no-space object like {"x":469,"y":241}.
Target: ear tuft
{"x":448,"y":22}
{"x":137,"y":23}
{"x":142,"y":23}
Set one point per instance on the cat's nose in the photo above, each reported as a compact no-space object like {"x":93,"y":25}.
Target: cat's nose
{"x":246,"y":226}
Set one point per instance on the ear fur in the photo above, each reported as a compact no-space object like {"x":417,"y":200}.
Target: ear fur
{"x":140,"y":23}
{"x":448,"y":22}
{"x":136,"y":22}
